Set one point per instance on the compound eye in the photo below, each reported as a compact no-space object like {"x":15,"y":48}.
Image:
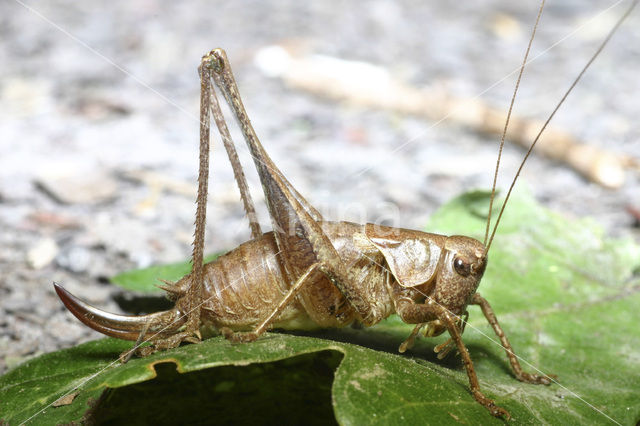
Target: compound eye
{"x":463,"y":268}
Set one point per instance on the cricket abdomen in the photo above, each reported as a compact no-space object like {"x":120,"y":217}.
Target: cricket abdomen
{"x":242,"y":287}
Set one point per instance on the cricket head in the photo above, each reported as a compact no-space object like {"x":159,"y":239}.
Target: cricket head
{"x":462,"y":264}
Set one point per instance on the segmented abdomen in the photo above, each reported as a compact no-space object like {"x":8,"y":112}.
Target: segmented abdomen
{"x":243,"y":287}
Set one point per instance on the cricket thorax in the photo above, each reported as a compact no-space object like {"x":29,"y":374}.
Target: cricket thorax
{"x":430,"y":268}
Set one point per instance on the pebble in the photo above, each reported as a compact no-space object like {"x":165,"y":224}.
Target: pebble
{"x":75,"y":259}
{"x":68,"y":184}
{"x":42,"y":253}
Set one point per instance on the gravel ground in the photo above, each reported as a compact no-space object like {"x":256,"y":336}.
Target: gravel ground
{"x":99,"y":132}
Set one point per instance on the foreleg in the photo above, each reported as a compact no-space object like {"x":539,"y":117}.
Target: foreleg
{"x":417,"y":313}
{"x":513,"y":360}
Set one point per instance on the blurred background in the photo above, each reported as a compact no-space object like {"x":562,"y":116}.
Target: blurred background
{"x":99,"y":130}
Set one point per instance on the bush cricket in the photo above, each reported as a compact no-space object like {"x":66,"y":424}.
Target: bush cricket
{"x":310,"y":273}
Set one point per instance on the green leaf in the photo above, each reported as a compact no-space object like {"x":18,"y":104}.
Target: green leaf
{"x":566,"y":296}
{"x":145,"y":280}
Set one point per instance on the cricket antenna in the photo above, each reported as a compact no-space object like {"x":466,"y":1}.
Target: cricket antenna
{"x":544,"y":126}
{"x":506,"y":125}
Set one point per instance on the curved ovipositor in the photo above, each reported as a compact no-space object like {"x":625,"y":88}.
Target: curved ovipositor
{"x":127,"y":327}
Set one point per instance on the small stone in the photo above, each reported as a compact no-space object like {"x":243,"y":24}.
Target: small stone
{"x":42,"y":253}
{"x":40,"y":219}
{"x":505,"y":26}
{"x":76,"y":259}
{"x":68,"y":184}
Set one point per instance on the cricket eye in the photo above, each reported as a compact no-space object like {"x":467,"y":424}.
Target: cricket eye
{"x":463,"y":268}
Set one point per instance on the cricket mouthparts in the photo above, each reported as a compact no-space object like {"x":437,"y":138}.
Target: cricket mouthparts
{"x":127,"y":327}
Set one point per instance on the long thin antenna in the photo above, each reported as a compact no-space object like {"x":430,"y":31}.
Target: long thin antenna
{"x":564,"y":97}
{"x":506,"y":123}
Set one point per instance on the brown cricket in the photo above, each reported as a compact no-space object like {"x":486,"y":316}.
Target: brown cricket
{"x":310,"y":273}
